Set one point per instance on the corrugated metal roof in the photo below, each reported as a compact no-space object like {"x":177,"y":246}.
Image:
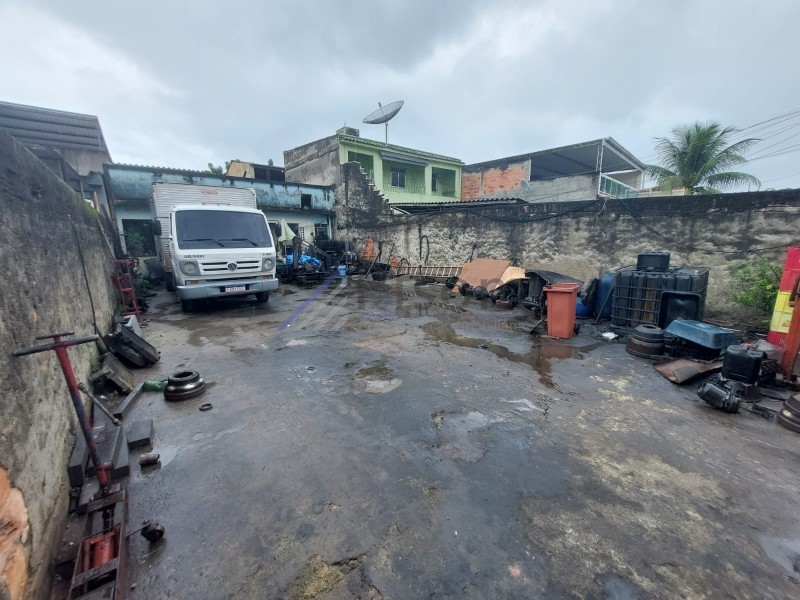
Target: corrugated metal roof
{"x":208,"y":174}
{"x":567,"y":161}
{"x":36,"y":126}
{"x":412,"y":151}
{"x":132,"y":167}
{"x":481,"y":201}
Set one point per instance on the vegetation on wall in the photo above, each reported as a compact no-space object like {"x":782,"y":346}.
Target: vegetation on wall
{"x":134,"y":241}
{"x":219,"y":170}
{"x":755,"y":284}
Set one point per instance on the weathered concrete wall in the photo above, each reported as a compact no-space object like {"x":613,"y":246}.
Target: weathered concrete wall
{"x":511,"y":179}
{"x":631,"y":178}
{"x":561,"y":189}
{"x":85,"y":161}
{"x":580,"y":238}
{"x":316,"y":163}
{"x":42,"y":291}
{"x":357,"y":201}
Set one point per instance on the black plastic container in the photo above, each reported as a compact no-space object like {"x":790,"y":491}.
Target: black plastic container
{"x":653,"y":261}
{"x":742,"y":364}
{"x":637,"y":296}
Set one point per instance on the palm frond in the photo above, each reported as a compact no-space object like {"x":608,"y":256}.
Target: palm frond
{"x":731,"y":178}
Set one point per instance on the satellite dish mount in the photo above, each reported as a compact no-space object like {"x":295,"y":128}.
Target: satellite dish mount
{"x":384,"y":114}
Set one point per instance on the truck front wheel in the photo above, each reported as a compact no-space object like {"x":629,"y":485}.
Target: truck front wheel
{"x":187,"y":305}
{"x":171,"y":287}
{"x":262,"y":297}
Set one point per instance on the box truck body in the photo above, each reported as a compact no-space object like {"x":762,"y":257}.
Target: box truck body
{"x":214,"y":242}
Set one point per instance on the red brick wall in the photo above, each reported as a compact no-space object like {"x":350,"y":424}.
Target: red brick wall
{"x":508,"y":178}
{"x":470,"y":186}
{"x":493,"y":180}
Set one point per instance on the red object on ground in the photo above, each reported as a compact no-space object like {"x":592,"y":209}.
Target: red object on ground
{"x":562,"y":299}
{"x":792,"y":343}
{"x":782,"y":315}
{"x":100,"y":549}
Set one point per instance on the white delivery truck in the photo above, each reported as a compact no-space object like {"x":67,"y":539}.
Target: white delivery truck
{"x":214,"y":242}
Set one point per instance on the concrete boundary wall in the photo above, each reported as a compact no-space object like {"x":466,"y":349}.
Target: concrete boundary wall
{"x":43,"y":291}
{"x":579,"y":238}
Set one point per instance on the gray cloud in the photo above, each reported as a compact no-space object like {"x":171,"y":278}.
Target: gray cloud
{"x":181,"y":83}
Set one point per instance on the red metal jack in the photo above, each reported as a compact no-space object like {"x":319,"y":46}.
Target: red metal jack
{"x":60,"y":346}
{"x":100,"y":568}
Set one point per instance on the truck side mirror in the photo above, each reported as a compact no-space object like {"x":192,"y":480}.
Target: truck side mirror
{"x":157,"y":227}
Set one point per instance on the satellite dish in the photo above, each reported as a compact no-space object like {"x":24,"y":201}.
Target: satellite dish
{"x":384,"y":114}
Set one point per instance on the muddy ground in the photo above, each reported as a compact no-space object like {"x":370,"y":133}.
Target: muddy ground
{"x":378,"y":440}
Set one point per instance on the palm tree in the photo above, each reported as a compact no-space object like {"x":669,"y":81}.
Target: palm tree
{"x":697,"y":157}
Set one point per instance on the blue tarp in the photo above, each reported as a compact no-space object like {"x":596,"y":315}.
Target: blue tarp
{"x":305,"y":259}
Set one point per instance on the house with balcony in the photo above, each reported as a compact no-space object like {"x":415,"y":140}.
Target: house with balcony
{"x":403,"y":176}
{"x":596,"y":169}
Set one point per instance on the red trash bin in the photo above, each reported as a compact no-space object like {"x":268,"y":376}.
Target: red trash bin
{"x":561,"y":302}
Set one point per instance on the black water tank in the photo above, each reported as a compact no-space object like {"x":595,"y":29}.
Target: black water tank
{"x":742,"y":364}
{"x":653,"y":261}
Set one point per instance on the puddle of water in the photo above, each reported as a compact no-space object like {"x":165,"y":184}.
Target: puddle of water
{"x":381,"y":386}
{"x":378,"y":369}
{"x":783,"y":551}
{"x":538,"y":357}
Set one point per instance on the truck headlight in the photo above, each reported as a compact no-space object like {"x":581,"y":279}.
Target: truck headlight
{"x":189,"y":267}
{"x":268,"y":264}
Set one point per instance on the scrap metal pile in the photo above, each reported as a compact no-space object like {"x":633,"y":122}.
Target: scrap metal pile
{"x":661,"y":308}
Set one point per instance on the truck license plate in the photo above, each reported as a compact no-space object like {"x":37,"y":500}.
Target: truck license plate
{"x":234,"y":288}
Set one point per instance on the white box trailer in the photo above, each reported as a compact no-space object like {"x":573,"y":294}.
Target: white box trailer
{"x":214,"y":242}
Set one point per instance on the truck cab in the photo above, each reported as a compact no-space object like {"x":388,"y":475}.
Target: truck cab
{"x":219,"y":250}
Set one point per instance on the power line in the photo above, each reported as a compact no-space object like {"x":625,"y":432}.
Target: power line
{"x":788,"y":150}
{"x":786,"y":139}
{"x":755,"y":126}
{"x":779,"y":178}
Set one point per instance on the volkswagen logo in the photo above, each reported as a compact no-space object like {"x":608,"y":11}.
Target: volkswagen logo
{"x":233,"y":265}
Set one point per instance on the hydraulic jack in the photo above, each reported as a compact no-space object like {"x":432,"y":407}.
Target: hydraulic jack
{"x":100,"y":568}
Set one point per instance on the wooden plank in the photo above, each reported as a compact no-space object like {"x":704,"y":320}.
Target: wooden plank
{"x":485,"y":272}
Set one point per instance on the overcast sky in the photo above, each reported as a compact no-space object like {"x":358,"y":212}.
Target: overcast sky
{"x":182,"y":83}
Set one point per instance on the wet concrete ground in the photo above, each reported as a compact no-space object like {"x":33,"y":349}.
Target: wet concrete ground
{"x":386,"y":441}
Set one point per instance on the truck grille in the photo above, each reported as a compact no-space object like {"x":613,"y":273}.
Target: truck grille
{"x":221,"y":267}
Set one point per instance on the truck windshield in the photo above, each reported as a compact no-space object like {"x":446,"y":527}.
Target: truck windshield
{"x":221,"y":229}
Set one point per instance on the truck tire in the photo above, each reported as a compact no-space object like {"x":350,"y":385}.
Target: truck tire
{"x":182,"y":378}
{"x":187,"y":305}
{"x":170,"y":281}
{"x":479,"y":292}
{"x":262,"y":297}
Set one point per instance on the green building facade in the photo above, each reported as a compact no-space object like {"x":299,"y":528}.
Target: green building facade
{"x":403,"y":175}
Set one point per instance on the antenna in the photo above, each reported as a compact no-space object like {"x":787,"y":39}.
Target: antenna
{"x":384,"y":114}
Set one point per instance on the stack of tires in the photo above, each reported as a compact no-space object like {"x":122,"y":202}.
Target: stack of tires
{"x":646,"y":341}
